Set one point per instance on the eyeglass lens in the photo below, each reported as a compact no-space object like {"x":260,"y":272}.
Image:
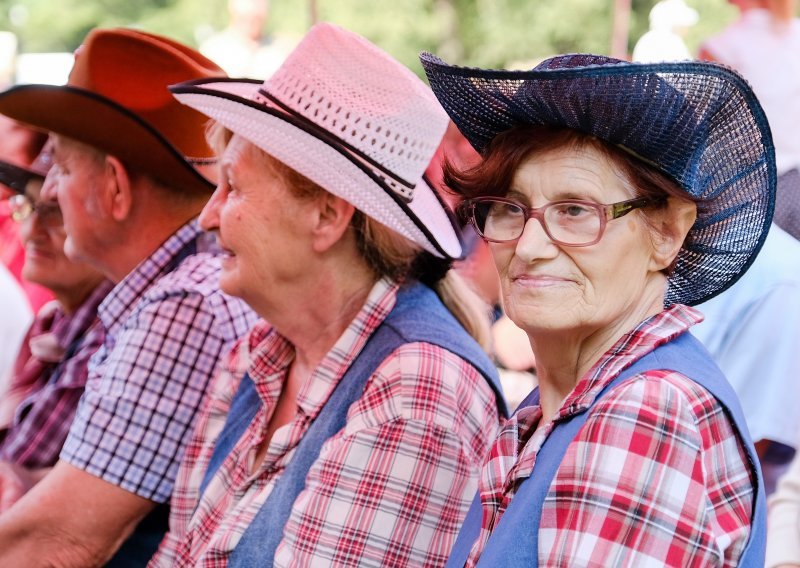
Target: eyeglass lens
{"x":22,"y":207}
{"x":567,"y":221}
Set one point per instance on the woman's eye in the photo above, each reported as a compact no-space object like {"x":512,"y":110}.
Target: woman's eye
{"x":507,"y":209}
{"x":573,"y":210}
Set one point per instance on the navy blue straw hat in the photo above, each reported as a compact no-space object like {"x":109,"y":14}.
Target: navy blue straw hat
{"x":699,"y":123}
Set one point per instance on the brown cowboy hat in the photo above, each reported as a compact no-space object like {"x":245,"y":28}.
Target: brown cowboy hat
{"x":116,"y":99}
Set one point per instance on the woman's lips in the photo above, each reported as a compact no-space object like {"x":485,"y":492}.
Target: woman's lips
{"x":540,"y":280}
{"x":226,"y":252}
{"x":39,"y":252}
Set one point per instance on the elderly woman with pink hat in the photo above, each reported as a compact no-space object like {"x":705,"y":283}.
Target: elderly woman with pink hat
{"x":613,"y":197}
{"x":348,"y":426}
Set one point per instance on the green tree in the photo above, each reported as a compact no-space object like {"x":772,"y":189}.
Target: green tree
{"x":493,"y":33}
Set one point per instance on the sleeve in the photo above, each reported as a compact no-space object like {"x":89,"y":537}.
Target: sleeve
{"x":766,"y":385}
{"x":142,"y":398}
{"x":392,"y":488}
{"x":783,"y":534}
{"x":635,"y":486}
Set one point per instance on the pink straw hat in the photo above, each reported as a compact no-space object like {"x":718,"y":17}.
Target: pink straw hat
{"x":350,"y":118}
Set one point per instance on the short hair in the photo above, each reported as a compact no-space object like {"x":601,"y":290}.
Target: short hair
{"x":508,"y":150}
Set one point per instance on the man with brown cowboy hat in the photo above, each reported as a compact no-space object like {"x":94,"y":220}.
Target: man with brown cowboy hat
{"x":124,"y":176}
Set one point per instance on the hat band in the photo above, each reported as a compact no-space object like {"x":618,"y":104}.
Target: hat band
{"x":388,"y":179}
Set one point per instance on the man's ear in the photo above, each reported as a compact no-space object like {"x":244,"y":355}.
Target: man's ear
{"x":118,"y":190}
{"x":331,"y":220}
{"x":670,"y":226}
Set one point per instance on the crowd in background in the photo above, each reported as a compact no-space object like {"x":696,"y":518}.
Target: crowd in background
{"x":165,"y":366}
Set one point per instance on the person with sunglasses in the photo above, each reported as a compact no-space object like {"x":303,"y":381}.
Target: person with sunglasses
{"x":50,"y":372}
{"x":614,"y":196}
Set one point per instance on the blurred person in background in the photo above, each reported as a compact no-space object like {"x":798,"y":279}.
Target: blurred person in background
{"x":125,"y":177}
{"x":37,"y":408}
{"x":752,"y":332}
{"x":13,"y":324}
{"x":783,"y":536}
{"x":243,"y":49}
{"x":19,"y":146}
{"x":763,"y":45}
{"x":758,"y":316}
{"x":669,"y":22}
{"x":350,"y":424}
{"x":614,"y":196}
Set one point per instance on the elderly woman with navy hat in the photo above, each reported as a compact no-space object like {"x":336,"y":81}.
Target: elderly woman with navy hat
{"x":350,"y":424}
{"x":614,"y":196}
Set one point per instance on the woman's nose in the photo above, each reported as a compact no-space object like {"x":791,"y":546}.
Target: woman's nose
{"x":209,"y":216}
{"x":534,"y":243}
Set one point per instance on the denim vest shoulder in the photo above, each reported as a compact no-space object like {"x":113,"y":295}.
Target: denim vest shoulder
{"x":514,"y":541}
{"x":418,"y":315}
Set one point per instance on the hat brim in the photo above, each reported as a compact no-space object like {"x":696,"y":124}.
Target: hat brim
{"x":698,"y":123}
{"x":99,"y":122}
{"x":424,"y":220}
{"x":17,"y":177}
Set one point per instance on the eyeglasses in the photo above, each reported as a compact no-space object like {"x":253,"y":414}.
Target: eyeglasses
{"x":571,"y":222}
{"x":22,"y":207}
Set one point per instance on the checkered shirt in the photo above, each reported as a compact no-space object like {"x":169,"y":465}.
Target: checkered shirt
{"x":167,"y":326}
{"x":390,"y":489}
{"x":655,"y":477}
{"x":42,"y":420}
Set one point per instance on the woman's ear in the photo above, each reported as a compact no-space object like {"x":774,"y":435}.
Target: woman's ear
{"x":670,"y":225}
{"x":118,"y":197}
{"x":331,"y":220}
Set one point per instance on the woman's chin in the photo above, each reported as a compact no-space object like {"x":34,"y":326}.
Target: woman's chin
{"x":545,"y":314}
{"x":229,"y":282}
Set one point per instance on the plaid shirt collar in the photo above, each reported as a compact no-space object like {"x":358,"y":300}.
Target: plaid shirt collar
{"x":120,"y":301}
{"x":67,"y":328}
{"x":512,"y":442}
{"x":631,"y":347}
{"x":270,"y":354}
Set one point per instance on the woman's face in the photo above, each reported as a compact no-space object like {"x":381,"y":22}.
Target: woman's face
{"x":45,"y":262}
{"x":557,"y":288}
{"x":257,"y":220}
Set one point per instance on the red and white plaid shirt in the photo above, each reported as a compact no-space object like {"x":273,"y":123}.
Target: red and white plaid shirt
{"x":390,"y":489}
{"x":656,"y":476}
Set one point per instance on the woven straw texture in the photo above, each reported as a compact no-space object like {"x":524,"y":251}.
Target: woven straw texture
{"x":697,"y":122}
{"x":346,"y":115}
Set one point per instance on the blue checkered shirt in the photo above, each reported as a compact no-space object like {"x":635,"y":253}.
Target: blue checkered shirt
{"x":167,"y":325}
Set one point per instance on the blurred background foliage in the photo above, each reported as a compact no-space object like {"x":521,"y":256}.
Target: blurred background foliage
{"x":493,"y":33}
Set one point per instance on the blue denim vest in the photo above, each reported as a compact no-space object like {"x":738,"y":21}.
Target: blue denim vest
{"x":418,"y":316}
{"x":514,"y":541}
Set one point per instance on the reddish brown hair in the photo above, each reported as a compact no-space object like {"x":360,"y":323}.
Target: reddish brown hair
{"x":506,"y":153}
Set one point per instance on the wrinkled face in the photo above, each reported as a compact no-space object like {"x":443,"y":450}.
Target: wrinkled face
{"x":43,"y":237}
{"x":75,"y":174}
{"x":259,"y":224}
{"x":549,"y":287}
